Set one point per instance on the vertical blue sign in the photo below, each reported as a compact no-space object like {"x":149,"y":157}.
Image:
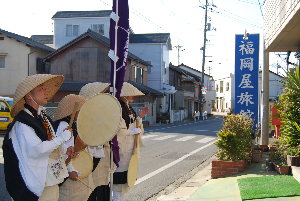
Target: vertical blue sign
{"x":246,"y":76}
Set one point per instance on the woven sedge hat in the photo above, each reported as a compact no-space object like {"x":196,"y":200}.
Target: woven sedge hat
{"x":51,"y":84}
{"x":66,"y":106}
{"x":92,"y":89}
{"x":129,"y":90}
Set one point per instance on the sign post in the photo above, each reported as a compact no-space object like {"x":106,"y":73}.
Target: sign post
{"x":246,"y":75}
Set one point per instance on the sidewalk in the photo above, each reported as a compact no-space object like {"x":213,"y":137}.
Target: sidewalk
{"x":202,"y":188}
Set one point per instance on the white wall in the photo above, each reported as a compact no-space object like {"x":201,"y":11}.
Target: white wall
{"x":153,"y":53}
{"x":60,"y":38}
{"x":275,"y":86}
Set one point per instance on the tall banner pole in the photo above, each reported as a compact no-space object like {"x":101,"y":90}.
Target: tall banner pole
{"x":119,"y":41}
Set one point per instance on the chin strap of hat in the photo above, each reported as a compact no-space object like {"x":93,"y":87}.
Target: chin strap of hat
{"x":40,"y":108}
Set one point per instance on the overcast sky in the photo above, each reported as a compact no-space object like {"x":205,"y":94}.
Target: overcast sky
{"x":184,"y":20}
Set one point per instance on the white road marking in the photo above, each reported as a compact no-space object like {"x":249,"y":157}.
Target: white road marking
{"x":206,"y":139}
{"x":148,"y":136}
{"x":174,"y":126}
{"x":140,"y":180}
{"x":185,"y":138}
{"x":163,"y":128}
{"x":165,"y":137}
{"x":201,"y":130}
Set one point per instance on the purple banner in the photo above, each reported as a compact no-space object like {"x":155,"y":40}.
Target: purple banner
{"x":122,"y":44}
{"x":122,"y":18}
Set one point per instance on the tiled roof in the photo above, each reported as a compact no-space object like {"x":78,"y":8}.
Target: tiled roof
{"x":81,"y":14}
{"x":100,"y":38}
{"x":27,"y":41}
{"x":45,"y":39}
{"x":76,"y":86}
{"x":149,"y":38}
{"x":145,"y":89}
{"x":194,"y":70}
{"x":72,"y":86}
{"x":187,"y":73}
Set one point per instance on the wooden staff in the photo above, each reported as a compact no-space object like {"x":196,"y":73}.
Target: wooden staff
{"x":133,"y":165}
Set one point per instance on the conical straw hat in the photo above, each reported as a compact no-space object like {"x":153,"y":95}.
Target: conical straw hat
{"x":66,"y":106}
{"x":129,"y":90}
{"x":92,"y":89}
{"x":51,"y":84}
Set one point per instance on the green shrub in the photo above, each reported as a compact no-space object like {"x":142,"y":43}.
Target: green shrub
{"x":235,"y":138}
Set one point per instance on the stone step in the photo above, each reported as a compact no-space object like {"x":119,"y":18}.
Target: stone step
{"x":296,"y":173}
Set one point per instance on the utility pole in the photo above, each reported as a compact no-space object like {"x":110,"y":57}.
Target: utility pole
{"x":178,"y":48}
{"x":203,"y":59}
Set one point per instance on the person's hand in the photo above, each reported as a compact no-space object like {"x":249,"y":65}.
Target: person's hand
{"x":70,"y":152}
{"x":143,"y":112}
{"x":71,"y":130}
{"x":73,"y":175}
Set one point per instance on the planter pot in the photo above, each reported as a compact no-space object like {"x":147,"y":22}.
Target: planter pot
{"x":293,"y":160}
{"x":264,"y":147}
{"x":285,"y":169}
{"x":259,"y":149}
{"x":270,"y":166}
{"x":256,"y":156}
{"x":226,"y":168}
{"x":272,"y":148}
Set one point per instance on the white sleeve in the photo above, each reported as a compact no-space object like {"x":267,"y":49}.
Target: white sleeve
{"x":96,"y":152}
{"x":133,"y":131}
{"x":70,"y":143}
{"x":33,"y":155}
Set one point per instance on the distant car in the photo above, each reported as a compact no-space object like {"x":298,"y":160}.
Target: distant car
{"x":5,"y":117}
{"x":8,"y":100}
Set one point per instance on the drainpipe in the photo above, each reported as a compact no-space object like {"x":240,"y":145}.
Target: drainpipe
{"x":28,"y":60}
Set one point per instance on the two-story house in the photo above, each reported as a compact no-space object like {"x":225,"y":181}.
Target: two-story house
{"x":187,"y":85}
{"x":210,"y":95}
{"x":84,"y":60}
{"x":68,"y":25}
{"x":154,"y":48}
{"x":19,"y":57}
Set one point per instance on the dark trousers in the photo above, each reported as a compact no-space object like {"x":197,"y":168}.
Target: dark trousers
{"x":101,"y":193}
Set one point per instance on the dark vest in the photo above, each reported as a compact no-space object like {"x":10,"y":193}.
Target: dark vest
{"x":15,"y":184}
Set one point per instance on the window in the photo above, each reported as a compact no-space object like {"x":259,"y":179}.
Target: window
{"x":99,"y":28}
{"x":165,"y":66}
{"x":138,"y":75}
{"x":72,"y":30}
{"x":217,"y":88}
{"x":221,"y":86}
{"x":227,"y":86}
{"x":2,"y":62}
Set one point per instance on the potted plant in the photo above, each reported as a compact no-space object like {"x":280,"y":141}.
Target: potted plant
{"x":256,"y":155}
{"x":292,"y":156}
{"x":283,"y":168}
{"x":233,"y":146}
{"x":273,"y":160}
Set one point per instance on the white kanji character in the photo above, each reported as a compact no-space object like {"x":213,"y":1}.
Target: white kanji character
{"x":246,"y":83}
{"x":248,"y":114}
{"x":245,"y":98}
{"x":248,"y":48}
{"x":247,"y":63}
